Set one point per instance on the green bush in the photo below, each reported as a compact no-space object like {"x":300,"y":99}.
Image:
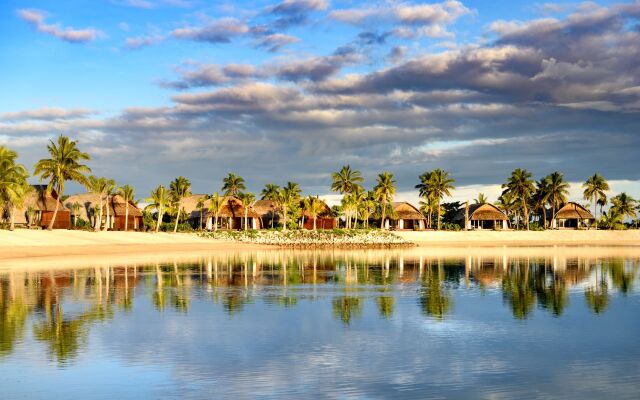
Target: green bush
{"x":535,"y":227}
{"x":451,"y":227}
{"x":169,"y":226}
{"x":82,"y":225}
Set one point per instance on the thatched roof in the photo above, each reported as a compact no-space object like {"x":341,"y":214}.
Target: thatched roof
{"x":485,"y":212}
{"x":325,"y":213}
{"x":405,"y":210}
{"x":267,"y":208}
{"x":40,"y":201}
{"x":573,"y":210}
{"x":88,"y":201}
{"x":231,"y":208}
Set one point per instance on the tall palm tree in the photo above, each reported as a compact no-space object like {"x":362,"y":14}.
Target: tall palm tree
{"x":179,"y":188}
{"x":98,"y":186}
{"x":624,"y":205}
{"x":595,"y":189}
{"x":270,"y":191}
{"x":558,"y":190}
{"x":159,"y":200}
{"x":520,"y":185}
{"x":289,"y":195}
{"x":368,"y":207}
{"x":13,"y":182}
{"x":64,"y":165}
{"x":110,"y":186}
{"x":128,"y":195}
{"x":436,"y":185}
{"x":216,"y":202}
{"x":17,"y":199}
{"x":233,"y":185}
{"x":541,"y":198}
{"x":200,"y":205}
{"x":313,"y":206}
{"x":384,"y":190}
{"x":482,"y":199}
{"x":247,"y":199}
{"x":345,"y":180}
{"x":75,"y":208}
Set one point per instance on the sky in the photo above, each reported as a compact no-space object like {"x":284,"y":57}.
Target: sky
{"x":293,"y":90}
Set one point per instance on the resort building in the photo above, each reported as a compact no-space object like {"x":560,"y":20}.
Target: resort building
{"x":324,"y":220}
{"x":405,"y":217}
{"x":39,"y":208}
{"x":482,"y":216}
{"x":230,"y":217}
{"x":89,"y":210}
{"x":270,"y":214}
{"x":572,"y":216}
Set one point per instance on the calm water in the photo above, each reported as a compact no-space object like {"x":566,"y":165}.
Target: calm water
{"x":486,"y":323}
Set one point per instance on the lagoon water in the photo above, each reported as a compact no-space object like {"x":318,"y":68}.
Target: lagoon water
{"x":465,"y":323}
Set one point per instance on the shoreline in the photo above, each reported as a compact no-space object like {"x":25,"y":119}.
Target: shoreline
{"x":22,"y":247}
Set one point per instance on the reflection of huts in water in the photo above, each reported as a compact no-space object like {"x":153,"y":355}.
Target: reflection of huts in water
{"x":231,"y":216}
{"x":572,"y":216}
{"x":117,"y":209}
{"x":324,"y":220}
{"x":482,"y":216}
{"x":406,"y":217}
{"x":43,"y":205}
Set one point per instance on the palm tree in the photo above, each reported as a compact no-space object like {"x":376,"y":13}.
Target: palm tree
{"x":64,"y":165}
{"x":179,"y":188}
{"x":98,"y":186}
{"x":216,"y":202}
{"x":345,"y":180}
{"x":313,"y":206}
{"x":482,"y":199}
{"x":436,"y":185}
{"x":247,"y":199}
{"x":18,"y":198}
{"x":75,"y":207}
{"x":557,"y":192}
{"x":288,"y":195}
{"x":233,"y":185}
{"x":384,"y":190}
{"x":625,"y":205}
{"x":270,"y":191}
{"x":595,"y":189}
{"x":541,"y":198}
{"x":110,"y":186}
{"x":368,"y":207}
{"x":159,"y":200}
{"x":128,"y":194}
{"x":13,"y":182}
{"x":520,"y":185}
{"x":200,"y":205}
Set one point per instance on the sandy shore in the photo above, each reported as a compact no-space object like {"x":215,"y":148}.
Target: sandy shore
{"x":523,"y":238}
{"x":60,"y":248}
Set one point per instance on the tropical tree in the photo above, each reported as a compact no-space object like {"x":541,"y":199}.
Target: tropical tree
{"x":541,"y":198}
{"x":110,"y":186}
{"x":247,"y":199}
{"x":520,"y":185}
{"x":288,"y":195}
{"x":482,"y":199}
{"x":14,"y":188}
{"x":200,"y":205}
{"x":367,"y":207}
{"x":383,"y":191}
{"x":64,"y":165}
{"x":98,"y":186}
{"x":595,"y":189}
{"x":179,"y":188}
{"x":233,"y":185}
{"x":159,"y":199}
{"x":128,"y":195}
{"x":270,"y":192}
{"x":436,"y":185}
{"x":624,"y":205}
{"x":18,"y":197}
{"x":557,"y":191}
{"x":313,"y":206}
{"x":345,"y":180}
{"x":75,"y":208}
{"x":216,"y":202}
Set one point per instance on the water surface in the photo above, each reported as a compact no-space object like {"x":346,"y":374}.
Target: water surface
{"x":471,"y":323}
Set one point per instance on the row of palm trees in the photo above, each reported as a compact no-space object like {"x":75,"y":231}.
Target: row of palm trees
{"x":521,"y":198}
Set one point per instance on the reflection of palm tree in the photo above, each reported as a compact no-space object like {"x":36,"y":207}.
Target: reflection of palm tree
{"x":597,"y":296}
{"x":385,"y":306}
{"x":518,"y":291}
{"x":434,"y":300}
{"x":621,"y":278}
{"x":13,"y":318}
{"x":345,"y":308}
{"x":555,"y":297}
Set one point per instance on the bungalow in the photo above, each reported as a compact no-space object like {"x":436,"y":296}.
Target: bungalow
{"x":482,"y":216}
{"x":406,"y":217}
{"x":90,"y":203}
{"x":270,"y":214}
{"x":43,"y":204}
{"x":324,"y":220}
{"x":572,"y":216}
{"x":230,"y":217}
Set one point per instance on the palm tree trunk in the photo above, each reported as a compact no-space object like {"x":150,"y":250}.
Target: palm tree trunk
{"x":200,"y":229}
{"x":106,"y":223}
{"x":595,"y":209}
{"x":13,"y":218}
{"x":384,"y":209}
{"x":98,"y":221}
{"x":159,"y":219}
{"x":55,"y":212}
{"x":126,"y":216}
{"x":439,"y":214}
{"x":526,"y":216}
{"x":553,"y":215}
{"x":314,"y":223}
{"x":175,"y":228}
{"x":246,"y":218}
{"x":284,"y":217}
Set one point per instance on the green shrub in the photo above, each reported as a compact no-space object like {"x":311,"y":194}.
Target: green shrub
{"x":451,"y":227}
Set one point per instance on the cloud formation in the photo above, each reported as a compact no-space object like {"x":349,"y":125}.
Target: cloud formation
{"x":37,"y":18}
{"x":216,"y":31}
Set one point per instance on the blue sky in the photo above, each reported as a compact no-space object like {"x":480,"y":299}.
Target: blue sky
{"x":294,"y":89}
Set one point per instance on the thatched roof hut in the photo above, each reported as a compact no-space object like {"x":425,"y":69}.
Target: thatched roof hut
{"x":232,"y":211}
{"x":405,"y":216}
{"x":482,"y":216}
{"x":572,"y":216}
{"x":115,"y":205}
{"x":44,"y":204}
